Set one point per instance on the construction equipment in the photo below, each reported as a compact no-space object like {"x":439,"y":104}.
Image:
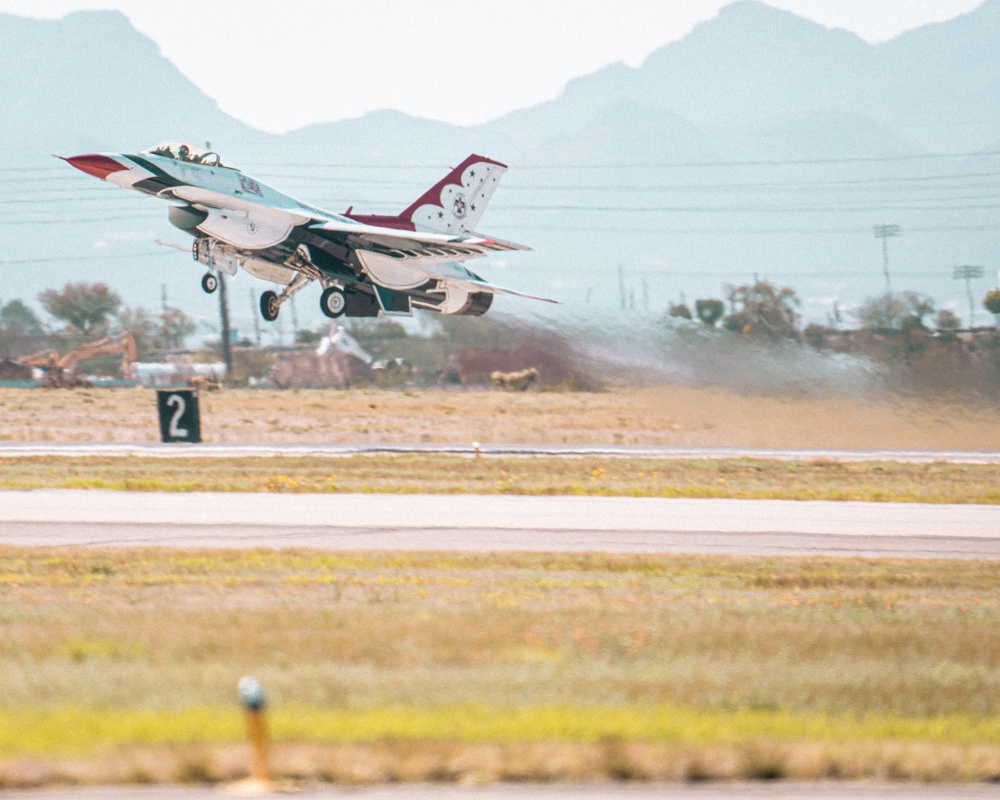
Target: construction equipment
{"x":60,"y":371}
{"x":44,"y":359}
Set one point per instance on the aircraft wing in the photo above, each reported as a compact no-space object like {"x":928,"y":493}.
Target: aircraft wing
{"x":279,"y":219}
{"x":337,"y":226}
{"x":402,"y":258}
{"x":458,"y":273}
{"x":408,"y":269}
{"x":395,"y":257}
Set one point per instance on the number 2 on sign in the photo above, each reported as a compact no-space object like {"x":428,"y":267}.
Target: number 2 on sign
{"x":178,"y":401}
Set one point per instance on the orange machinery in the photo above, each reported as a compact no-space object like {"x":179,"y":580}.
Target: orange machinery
{"x":60,"y":371}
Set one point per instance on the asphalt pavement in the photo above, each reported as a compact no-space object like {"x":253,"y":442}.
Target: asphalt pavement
{"x":257,"y":450}
{"x":497,"y":523}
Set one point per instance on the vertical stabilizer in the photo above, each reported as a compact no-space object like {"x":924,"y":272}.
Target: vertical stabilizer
{"x":456,"y":204}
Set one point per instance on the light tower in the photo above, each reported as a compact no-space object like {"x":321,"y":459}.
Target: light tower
{"x":886,"y":232}
{"x":967,"y":273}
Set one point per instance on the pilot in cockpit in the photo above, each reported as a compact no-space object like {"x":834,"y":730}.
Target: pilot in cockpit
{"x":184,"y":154}
{"x":192,"y":154}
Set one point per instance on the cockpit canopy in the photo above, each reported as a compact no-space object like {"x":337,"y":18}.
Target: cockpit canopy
{"x":182,"y":151}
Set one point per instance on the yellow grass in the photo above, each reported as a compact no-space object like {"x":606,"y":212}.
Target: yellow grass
{"x":80,"y":731}
{"x":453,"y":666}
{"x":736,"y":478}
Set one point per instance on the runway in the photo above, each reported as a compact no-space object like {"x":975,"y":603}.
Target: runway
{"x":497,"y":523}
{"x":214,"y":450}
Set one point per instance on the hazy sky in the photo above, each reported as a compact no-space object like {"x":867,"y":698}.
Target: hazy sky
{"x":281,"y":64}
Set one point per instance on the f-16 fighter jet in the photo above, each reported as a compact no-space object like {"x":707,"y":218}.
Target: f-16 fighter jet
{"x":367,"y":264}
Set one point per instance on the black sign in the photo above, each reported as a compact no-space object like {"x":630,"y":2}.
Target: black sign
{"x":179,"y":420}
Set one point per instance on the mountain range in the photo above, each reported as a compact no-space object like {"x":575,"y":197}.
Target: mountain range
{"x":761,"y":143}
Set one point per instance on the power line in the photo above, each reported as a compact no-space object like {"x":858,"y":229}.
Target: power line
{"x":638,"y":231}
{"x":80,"y":221}
{"x":748,"y":231}
{"x":514,"y":186}
{"x":654,"y":165}
{"x":983,"y":195}
{"x":769,"y":162}
{"x":830,"y":274}
{"x":120,"y":256}
{"x":509,"y":185}
{"x":749,"y":209}
{"x":609,"y":165}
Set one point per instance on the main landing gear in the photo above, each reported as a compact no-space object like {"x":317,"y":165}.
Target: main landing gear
{"x":333,"y":302}
{"x":209,"y":282}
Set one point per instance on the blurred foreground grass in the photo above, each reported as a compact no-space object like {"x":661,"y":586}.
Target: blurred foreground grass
{"x":735,"y":478}
{"x":483,"y":665}
{"x":76,"y":731}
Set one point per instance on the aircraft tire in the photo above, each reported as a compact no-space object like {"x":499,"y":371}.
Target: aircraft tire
{"x":209,"y":283}
{"x":269,"y":306}
{"x":333,"y":302}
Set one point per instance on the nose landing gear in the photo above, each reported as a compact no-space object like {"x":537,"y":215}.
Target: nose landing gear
{"x":269,"y":306}
{"x":209,"y":282}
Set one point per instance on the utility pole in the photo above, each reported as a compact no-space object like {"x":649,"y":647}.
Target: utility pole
{"x":885,"y":233}
{"x":256,"y":317}
{"x":967,"y":273}
{"x":621,"y":286}
{"x":227,"y":352}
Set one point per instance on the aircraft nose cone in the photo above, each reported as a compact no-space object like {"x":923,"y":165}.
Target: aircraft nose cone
{"x":95,"y":164}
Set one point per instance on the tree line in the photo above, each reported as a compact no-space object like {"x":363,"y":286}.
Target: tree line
{"x":88,"y":311}
{"x":762,"y":309}
{"x":897,"y":329}
{"x":904,"y":329}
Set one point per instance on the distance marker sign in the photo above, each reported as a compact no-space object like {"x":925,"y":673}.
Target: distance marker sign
{"x":179,"y":421}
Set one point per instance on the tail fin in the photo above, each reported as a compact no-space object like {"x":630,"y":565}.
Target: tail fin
{"x":456,"y":203}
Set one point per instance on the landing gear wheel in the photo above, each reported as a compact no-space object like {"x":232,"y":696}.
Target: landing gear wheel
{"x":209,"y":282}
{"x":269,"y":306}
{"x":333,"y":302}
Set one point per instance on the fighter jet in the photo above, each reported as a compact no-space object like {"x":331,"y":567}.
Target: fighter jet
{"x":368,"y":265}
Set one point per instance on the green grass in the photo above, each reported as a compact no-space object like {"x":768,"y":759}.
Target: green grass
{"x":731,"y":478}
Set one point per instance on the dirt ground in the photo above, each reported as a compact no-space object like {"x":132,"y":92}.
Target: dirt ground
{"x":660,"y":416}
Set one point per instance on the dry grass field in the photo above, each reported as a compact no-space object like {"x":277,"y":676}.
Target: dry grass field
{"x":536,"y":475}
{"x":122,"y":666}
{"x":664,"y":415}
